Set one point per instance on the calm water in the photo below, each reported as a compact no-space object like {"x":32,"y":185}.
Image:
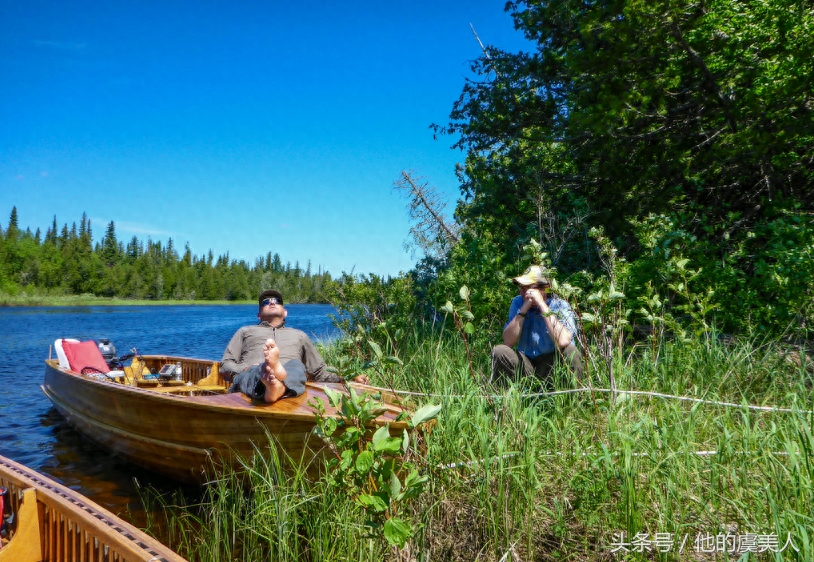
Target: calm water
{"x":34,"y":434}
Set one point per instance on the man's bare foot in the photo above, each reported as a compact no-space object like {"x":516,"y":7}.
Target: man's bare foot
{"x":273,"y":366}
{"x":273,"y":373}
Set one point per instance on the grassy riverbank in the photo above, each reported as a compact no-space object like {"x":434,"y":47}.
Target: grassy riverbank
{"x":27,"y":299}
{"x":565,"y":477}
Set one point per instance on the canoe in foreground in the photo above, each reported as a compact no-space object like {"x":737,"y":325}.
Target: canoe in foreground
{"x":180,"y":427}
{"x":57,"y":524}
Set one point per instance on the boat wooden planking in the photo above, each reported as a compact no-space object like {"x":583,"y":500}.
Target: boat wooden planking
{"x":182,"y":428}
{"x":56,"y":524}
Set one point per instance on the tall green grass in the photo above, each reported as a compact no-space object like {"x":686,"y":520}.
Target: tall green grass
{"x":518,"y":477}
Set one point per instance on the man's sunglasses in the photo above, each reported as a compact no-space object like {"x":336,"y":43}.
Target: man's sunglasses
{"x":269,"y":302}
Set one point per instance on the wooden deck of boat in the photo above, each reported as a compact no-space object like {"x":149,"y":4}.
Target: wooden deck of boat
{"x":288,"y":407}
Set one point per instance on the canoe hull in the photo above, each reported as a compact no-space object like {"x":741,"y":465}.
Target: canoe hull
{"x":55,"y":523}
{"x":184,"y":437}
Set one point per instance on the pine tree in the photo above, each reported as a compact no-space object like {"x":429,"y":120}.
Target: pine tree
{"x":13,"y":231}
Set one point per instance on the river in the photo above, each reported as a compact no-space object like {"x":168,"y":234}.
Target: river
{"x":34,"y":434}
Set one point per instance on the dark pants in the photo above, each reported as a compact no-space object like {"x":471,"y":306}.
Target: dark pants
{"x":508,"y":364}
{"x":248,"y":382}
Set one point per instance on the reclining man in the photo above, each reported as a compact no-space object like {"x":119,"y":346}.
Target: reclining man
{"x":249,"y":360}
{"x":540,"y":325}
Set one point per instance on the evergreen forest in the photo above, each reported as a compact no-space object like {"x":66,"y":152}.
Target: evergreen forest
{"x":66,"y":262}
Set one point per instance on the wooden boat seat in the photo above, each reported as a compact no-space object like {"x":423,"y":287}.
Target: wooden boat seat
{"x":188,"y":390}
{"x":24,"y":545}
{"x":219,"y":388}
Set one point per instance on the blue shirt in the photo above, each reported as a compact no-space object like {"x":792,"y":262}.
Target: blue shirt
{"x":534,"y":338}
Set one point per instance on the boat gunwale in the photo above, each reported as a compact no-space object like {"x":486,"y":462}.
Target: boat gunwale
{"x":245,"y":407}
{"x":73,"y":506}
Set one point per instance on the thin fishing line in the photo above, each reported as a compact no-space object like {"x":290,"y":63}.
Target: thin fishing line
{"x":589,"y":455}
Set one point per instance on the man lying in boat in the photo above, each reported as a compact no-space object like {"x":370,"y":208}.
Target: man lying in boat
{"x":270,"y":381}
{"x":246,"y":348}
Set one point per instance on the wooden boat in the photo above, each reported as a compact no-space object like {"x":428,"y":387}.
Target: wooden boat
{"x":56,"y":524}
{"x":183,"y":428}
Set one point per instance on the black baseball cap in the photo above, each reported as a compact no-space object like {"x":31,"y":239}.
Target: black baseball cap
{"x":268,"y":294}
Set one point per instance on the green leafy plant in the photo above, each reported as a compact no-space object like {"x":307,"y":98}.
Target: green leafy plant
{"x":463,"y":319}
{"x":383,"y":364}
{"x":378,"y":473}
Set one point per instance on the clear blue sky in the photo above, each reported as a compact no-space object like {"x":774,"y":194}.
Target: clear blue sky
{"x":240,"y":127}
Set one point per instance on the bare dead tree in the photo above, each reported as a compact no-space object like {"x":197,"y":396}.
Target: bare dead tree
{"x":431,"y":231}
{"x":484,"y":49}
{"x":555,"y":230}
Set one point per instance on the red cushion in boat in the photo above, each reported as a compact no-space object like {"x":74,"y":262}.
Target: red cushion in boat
{"x":84,"y":354}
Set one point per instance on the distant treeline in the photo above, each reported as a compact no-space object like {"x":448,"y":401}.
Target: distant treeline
{"x":66,"y":261}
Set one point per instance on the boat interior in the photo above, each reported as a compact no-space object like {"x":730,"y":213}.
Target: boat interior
{"x":160,"y":373}
{"x":181,"y":376}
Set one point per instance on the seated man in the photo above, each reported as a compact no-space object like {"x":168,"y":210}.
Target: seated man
{"x":247,"y":347}
{"x":271,"y":380}
{"x":540,"y":325}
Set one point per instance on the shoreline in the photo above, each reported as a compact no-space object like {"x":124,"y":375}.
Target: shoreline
{"x":7,"y":301}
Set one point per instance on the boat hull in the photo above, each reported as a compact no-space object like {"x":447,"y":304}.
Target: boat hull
{"x":182,"y":436}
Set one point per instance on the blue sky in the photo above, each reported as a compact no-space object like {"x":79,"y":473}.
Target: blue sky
{"x":240,"y":127}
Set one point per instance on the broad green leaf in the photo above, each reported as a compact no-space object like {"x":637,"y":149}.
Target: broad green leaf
{"x":425,"y":414}
{"x":469,"y":328}
{"x":414,"y":485}
{"x":448,"y":308}
{"x":389,"y":445}
{"x":414,"y":479}
{"x":330,"y":426}
{"x":395,"y":485}
{"x":381,"y":434}
{"x":385,"y":470}
{"x":347,"y":459}
{"x":397,"y":532}
{"x":374,"y":502}
{"x":375,"y":347}
{"x":334,"y":397}
{"x":464,"y":292}
{"x":364,"y":462}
